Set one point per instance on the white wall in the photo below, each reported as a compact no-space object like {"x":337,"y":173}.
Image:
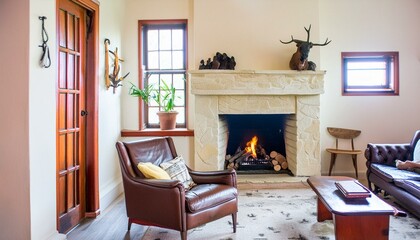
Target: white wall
{"x":377,"y":26}
{"x":14,"y":121}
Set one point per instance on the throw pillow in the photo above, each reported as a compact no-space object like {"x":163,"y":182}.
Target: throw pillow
{"x":177,"y":169}
{"x":152,"y":171}
{"x":416,"y":152}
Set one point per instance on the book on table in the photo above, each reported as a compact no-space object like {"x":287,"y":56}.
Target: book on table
{"x":352,"y":189}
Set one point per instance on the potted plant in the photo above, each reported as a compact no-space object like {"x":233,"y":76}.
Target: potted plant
{"x":164,"y":96}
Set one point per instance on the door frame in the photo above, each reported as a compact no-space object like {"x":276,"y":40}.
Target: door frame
{"x":92,"y":99}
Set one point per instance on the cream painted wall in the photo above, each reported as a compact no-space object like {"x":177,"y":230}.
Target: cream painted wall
{"x":250,"y":30}
{"x":143,"y":10}
{"x":27,"y":143}
{"x":111,"y":25}
{"x":27,"y":123}
{"x":378,"y":26}
{"x":14,"y":121}
{"x":148,"y":10}
{"x":42,"y":124}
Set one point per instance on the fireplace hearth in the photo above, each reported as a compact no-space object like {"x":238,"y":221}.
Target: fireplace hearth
{"x":295,"y":95}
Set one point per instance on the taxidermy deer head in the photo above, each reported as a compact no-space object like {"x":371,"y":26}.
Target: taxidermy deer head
{"x":299,"y":60}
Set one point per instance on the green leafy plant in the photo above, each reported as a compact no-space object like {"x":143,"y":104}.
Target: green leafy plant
{"x":164,"y":96}
{"x":145,"y":94}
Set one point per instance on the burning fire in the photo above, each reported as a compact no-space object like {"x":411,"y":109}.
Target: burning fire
{"x":250,"y":146}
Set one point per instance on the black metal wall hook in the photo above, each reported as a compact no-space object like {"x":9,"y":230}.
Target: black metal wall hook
{"x":45,"y":60}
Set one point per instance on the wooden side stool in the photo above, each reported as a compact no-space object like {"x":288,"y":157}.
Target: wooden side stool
{"x":342,"y":133}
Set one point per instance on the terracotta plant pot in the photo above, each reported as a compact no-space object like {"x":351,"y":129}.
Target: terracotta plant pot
{"x":167,"y":120}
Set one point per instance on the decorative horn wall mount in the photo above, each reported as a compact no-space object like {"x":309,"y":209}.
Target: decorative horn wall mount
{"x":112,"y":79}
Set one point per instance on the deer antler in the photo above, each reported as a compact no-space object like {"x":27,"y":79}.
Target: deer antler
{"x":323,"y":44}
{"x":308,"y":31}
{"x":293,"y":40}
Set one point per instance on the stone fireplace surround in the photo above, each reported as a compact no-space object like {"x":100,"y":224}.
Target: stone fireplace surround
{"x":296,"y":93}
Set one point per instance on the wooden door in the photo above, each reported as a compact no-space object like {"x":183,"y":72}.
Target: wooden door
{"x":70,"y":116}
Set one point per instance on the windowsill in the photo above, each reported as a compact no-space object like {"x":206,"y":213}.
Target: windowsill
{"x":367,"y":93}
{"x":154,"y":132}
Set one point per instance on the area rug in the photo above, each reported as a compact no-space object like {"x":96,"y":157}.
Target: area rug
{"x":278,"y":214}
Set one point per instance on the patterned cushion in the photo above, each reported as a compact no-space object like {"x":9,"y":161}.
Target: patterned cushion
{"x":177,"y":169}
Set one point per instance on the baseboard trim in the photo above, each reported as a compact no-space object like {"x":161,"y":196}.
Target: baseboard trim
{"x":57,"y":236}
{"x":109,"y":193}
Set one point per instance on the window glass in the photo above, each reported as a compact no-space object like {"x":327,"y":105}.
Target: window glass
{"x":178,"y":39}
{"x":370,"y":73}
{"x":165,"y":42}
{"x":153,"y":40}
{"x":164,"y":60}
{"x":153,"y":60}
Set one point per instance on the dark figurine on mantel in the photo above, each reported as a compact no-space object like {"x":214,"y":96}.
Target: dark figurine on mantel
{"x":220,"y":61}
{"x":299,"y":60}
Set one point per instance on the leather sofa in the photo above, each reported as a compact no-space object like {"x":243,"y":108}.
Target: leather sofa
{"x":382,"y":173}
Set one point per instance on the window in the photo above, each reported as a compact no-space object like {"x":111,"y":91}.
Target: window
{"x":370,"y":73}
{"x":163,"y":57}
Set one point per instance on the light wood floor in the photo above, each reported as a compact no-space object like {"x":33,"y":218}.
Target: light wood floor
{"x":111,"y":224}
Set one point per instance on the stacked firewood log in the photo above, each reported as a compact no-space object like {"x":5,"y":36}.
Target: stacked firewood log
{"x":275,"y":159}
{"x":278,"y":160}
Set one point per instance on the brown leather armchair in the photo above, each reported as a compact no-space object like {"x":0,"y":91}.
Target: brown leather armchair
{"x":166,"y":203}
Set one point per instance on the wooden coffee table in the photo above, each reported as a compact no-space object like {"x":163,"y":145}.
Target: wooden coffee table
{"x":366,"y":218}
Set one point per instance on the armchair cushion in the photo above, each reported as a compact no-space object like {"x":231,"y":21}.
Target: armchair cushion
{"x":177,"y":170}
{"x":390,"y":173}
{"x":204,"y":196}
{"x":152,"y":171}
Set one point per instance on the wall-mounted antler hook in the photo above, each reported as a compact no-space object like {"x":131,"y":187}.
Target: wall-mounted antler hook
{"x":45,"y":60}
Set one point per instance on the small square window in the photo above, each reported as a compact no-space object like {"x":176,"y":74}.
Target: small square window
{"x":370,"y":73}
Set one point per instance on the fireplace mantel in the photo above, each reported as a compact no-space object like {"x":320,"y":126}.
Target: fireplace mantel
{"x":296,"y":93}
{"x":256,"y":82}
